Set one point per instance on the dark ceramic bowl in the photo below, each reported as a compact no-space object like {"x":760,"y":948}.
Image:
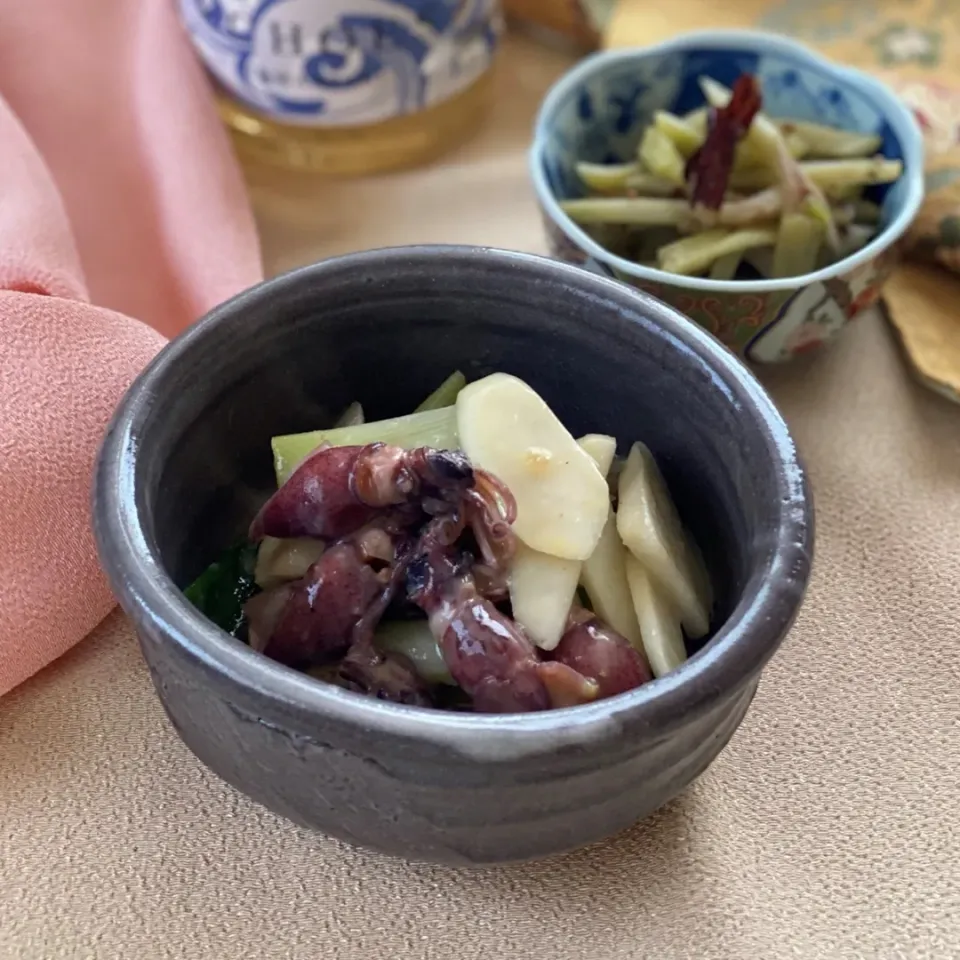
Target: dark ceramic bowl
{"x":187,"y":461}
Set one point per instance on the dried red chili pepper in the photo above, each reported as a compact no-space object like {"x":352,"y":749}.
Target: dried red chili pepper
{"x":708,"y":170}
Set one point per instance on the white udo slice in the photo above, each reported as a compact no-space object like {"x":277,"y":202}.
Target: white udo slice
{"x":604,"y":577}
{"x":505,"y":427}
{"x":650,"y":527}
{"x":601,"y":448}
{"x":542,"y":587}
{"x":659,"y":622}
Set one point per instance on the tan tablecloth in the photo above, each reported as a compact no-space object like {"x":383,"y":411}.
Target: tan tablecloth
{"x":830,"y":828}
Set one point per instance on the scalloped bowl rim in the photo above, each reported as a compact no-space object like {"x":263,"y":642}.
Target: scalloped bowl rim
{"x":899,"y":117}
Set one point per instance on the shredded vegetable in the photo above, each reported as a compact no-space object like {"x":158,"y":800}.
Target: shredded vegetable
{"x":710,"y":189}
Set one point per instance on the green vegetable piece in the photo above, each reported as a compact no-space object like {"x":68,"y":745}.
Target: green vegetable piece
{"x":220,"y":592}
{"x":698,"y":121}
{"x":695,"y":254}
{"x":432,"y":428}
{"x":647,"y":185}
{"x":831,"y":142}
{"x":660,"y":156}
{"x":445,"y":395}
{"x":686,"y":137}
{"x":725,"y":268}
{"x":606,"y":177}
{"x":636,"y":211}
{"x":798,"y":245}
{"x":832,"y":175}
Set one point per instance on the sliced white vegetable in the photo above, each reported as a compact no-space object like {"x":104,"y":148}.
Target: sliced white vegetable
{"x":659,"y":622}
{"x":505,"y":427}
{"x":604,"y":574}
{"x":650,"y":527}
{"x":542,"y":589}
{"x":604,"y":577}
{"x":279,"y":561}
{"x":601,"y":448}
{"x":414,"y":640}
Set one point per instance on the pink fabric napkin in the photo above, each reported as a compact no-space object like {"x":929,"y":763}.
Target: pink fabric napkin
{"x":123,"y":218}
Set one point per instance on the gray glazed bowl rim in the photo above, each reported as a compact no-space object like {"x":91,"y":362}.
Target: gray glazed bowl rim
{"x":739,"y":649}
{"x":886,"y":101}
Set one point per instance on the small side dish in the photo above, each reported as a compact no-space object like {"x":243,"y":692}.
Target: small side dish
{"x":473,"y":555}
{"x":730,"y":193}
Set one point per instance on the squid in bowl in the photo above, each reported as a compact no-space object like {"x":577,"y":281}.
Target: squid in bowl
{"x":473,"y":555}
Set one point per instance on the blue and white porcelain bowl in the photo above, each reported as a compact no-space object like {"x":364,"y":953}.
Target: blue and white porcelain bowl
{"x":597,"y":113}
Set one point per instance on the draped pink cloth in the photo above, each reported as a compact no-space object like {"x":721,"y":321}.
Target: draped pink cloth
{"x":123,"y":218}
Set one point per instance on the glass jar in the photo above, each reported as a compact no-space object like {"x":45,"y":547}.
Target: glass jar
{"x":347,"y":87}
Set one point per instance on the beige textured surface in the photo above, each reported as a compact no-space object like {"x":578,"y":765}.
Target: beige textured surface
{"x":830,"y":828}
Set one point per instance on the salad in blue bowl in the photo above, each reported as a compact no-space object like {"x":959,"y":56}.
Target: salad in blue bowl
{"x":736,"y":175}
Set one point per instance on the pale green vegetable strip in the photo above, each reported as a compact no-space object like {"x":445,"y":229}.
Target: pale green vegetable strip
{"x":646,"y":184}
{"x":414,"y":640}
{"x":658,"y":619}
{"x":697,"y":121}
{"x":606,"y":177}
{"x":832,"y":174}
{"x":818,"y":208}
{"x":616,"y":178}
{"x":759,"y":208}
{"x":603,"y":573}
{"x":838,"y":178}
{"x":796,"y":144}
{"x":351,"y":417}
{"x":661,"y":157}
{"x":725,"y":268}
{"x":752,"y":177}
{"x":824,"y":141}
{"x":651,"y":529}
{"x":638,"y":211}
{"x":445,"y":395}
{"x":604,"y":577}
{"x":685,"y":136}
{"x":433,"y":428}
{"x":766,"y":205}
{"x":849,"y":192}
{"x":753,"y":153}
{"x":797,"y":246}
{"x":695,"y":254}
